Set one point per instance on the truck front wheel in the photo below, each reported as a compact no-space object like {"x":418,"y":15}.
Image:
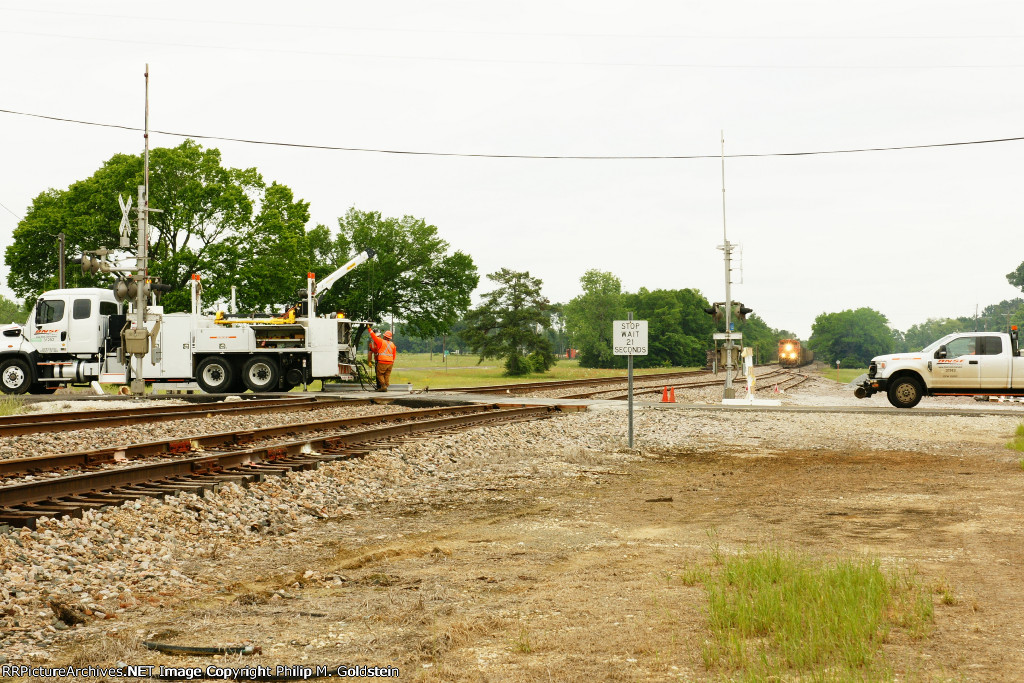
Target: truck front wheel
{"x":215,"y":375}
{"x":905,"y":392}
{"x":15,"y":376}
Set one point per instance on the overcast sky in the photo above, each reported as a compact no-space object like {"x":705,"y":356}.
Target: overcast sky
{"x":914,"y":234}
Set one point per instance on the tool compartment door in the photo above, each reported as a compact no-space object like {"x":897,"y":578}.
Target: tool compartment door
{"x":224,"y":339}
{"x":323,"y":346}
{"x":174,"y":349}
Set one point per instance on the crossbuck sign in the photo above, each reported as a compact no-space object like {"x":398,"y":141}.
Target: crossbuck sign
{"x":629,"y":337}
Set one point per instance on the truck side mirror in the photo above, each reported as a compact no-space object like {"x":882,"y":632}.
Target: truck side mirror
{"x":37,"y":312}
{"x":940,"y":352}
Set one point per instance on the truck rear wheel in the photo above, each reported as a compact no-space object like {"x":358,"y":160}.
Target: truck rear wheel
{"x":215,"y":375}
{"x":905,"y":392}
{"x":15,"y":376}
{"x":261,"y":374}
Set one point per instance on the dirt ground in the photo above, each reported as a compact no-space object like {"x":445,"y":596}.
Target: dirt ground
{"x":582,"y":579}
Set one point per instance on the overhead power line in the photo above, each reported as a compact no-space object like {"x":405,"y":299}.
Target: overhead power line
{"x":10,"y":212}
{"x":483,"y":155}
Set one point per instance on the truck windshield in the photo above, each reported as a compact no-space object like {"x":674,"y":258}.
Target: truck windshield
{"x":936,"y":344}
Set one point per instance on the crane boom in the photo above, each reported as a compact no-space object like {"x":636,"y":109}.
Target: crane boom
{"x":329,"y":281}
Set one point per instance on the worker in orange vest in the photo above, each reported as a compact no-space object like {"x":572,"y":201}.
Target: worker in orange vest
{"x":385,"y":351}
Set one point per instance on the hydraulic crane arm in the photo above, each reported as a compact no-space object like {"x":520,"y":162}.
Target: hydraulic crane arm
{"x":325,"y":284}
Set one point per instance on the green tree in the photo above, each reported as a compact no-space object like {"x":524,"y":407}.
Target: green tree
{"x":678,"y":330}
{"x":923,"y":334}
{"x":589,"y":316}
{"x":852,"y":337}
{"x":413,"y":277}
{"x":508,"y":321}
{"x":215,"y":221}
{"x":11,"y":312}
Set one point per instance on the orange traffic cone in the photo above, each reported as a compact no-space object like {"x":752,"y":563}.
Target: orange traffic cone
{"x":671,"y":394}
{"x":776,"y":389}
{"x":664,"y":395}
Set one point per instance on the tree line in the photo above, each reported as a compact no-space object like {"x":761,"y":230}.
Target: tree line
{"x":853,"y":337}
{"x":233,"y":228}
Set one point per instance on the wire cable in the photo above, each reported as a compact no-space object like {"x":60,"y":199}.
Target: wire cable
{"x":11,"y":212}
{"x":483,"y":155}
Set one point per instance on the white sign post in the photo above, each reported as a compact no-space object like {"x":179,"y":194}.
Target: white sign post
{"x":629,"y":338}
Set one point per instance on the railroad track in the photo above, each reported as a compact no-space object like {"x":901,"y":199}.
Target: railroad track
{"x":524,"y":387}
{"x":18,"y":425}
{"x":695,"y":381}
{"x":599,"y":387}
{"x":190,"y":464}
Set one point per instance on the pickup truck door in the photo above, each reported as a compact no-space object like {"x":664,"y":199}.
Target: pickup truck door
{"x":993,"y":363}
{"x":959,"y":369}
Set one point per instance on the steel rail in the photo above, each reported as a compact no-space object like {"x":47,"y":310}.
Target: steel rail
{"x":560,"y":384}
{"x":618,"y":394}
{"x":25,"y":501}
{"x":19,"y":425}
{"x":185,"y":444}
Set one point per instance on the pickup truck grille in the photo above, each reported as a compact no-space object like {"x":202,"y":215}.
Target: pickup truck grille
{"x":872,"y":370}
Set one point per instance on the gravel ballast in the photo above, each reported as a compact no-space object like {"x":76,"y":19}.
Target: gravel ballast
{"x":149,"y":554}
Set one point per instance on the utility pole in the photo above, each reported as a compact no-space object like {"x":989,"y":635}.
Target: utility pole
{"x":729,"y":392}
{"x":137,"y":339}
{"x":60,"y":269}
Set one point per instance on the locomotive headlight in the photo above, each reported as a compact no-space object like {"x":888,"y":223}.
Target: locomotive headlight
{"x":792,"y":355}
{"x":789,"y":347}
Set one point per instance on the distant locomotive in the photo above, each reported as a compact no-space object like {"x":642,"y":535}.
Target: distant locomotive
{"x":792,"y":354}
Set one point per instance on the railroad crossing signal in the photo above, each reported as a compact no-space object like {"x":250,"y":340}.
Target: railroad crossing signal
{"x":93,"y":264}
{"x":740,"y":311}
{"x":125,"y":226}
{"x":716,"y":310}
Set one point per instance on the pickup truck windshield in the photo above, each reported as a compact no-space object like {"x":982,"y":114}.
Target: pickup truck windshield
{"x":936,"y":344}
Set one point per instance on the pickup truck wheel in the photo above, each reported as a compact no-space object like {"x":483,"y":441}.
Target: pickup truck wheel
{"x":15,"y":376}
{"x":904,"y":392}
{"x":215,"y":375}
{"x":261,"y":374}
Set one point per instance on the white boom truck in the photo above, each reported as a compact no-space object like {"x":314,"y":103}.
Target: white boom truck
{"x":79,"y":336}
{"x":960,"y":364}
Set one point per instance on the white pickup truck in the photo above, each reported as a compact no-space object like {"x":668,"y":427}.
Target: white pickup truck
{"x":959,"y":364}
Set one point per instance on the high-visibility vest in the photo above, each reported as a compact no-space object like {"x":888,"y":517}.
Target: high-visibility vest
{"x":385,"y":351}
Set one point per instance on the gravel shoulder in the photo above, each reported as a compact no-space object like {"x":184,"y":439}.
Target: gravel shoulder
{"x":541,"y":550}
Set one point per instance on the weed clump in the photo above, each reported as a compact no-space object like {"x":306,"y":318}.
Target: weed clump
{"x":772,"y":613}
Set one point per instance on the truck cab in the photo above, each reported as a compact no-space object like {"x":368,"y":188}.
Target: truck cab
{"x":72,"y":321}
{"x":64,"y":339}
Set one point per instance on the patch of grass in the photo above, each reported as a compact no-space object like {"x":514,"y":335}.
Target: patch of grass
{"x":945,"y":593}
{"x":845,"y":375}
{"x":774,"y":613}
{"x":11,"y":405}
{"x":521,"y":641}
{"x":1017,"y":444}
{"x":691,"y":576}
{"x":462,"y":370}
